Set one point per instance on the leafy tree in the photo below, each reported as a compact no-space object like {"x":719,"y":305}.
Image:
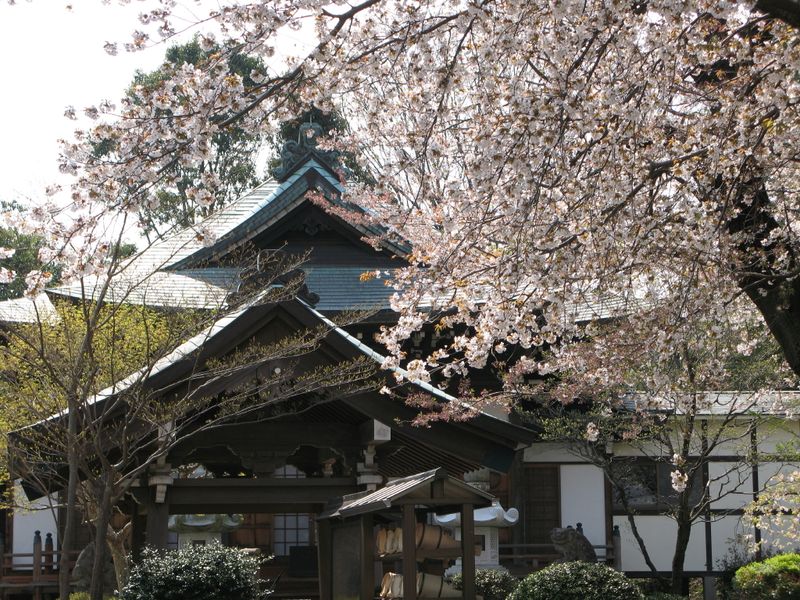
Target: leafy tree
{"x":36,"y":354}
{"x":25,"y":259}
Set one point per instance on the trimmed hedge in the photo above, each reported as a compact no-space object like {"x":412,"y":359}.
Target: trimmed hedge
{"x":207,"y":572}
{"x":776,"y":578}
{"x":577,"y":581}
{"x":491,"y":584}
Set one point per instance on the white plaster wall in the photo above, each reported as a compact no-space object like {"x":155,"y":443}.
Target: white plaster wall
{"x":649,"y":449}
{"x":728,"y":534}
{"x":734,"y":437}
{"x":777,"y":432}
{"x":659,"y":534}
{"x":550,"y":452}
{"x":28,"y":518}
{"x":583,"y":500}
{"x":731,"y":483}
{"x":768,"y":472}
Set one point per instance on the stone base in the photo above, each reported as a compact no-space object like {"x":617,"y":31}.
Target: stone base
{"x":456,"y":569}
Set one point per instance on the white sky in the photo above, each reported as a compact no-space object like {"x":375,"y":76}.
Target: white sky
{"x":50,"y":58}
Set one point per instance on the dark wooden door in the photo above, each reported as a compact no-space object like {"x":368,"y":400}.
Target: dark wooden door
{"x":542,"y":502}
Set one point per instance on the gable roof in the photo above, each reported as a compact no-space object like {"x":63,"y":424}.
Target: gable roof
{"x":484,"y":440}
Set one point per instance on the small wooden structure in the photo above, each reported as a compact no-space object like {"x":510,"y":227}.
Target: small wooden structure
{"x":347,"y":547}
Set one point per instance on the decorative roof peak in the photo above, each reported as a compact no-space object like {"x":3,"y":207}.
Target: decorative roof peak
{"x":295,"y":152}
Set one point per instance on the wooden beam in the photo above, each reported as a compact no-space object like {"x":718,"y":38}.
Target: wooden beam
{"x":468,"y":550}
{"x":252,"y":495}
{"x":409,"y":553}
{"x":273,"y":435}
{"x":463,"y":441}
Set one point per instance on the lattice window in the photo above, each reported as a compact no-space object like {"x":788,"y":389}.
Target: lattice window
{"x":290,"y":529}
{"x":542,"y":502}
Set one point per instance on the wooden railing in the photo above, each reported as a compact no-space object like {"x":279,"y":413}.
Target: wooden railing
{"x":523,"y":558}
{"x":35,"y":571}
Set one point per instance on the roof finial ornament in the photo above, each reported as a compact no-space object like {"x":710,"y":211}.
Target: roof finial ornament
{"x":307,"y":143}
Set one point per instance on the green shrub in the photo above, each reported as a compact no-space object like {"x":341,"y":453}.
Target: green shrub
{"x":85,"y":596}
{"x":491,"y":584}
{"x":776,"y":578}
{"x":664,"y":596}
{"x":207,"y":572}
{"x":577,"y":581}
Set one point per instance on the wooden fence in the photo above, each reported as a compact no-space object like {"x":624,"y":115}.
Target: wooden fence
{"x":34,"y":574}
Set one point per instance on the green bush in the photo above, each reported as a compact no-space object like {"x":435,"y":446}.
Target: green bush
{"x":776,"y":578}
{"x":207,"y":572}
{"x":664,"y":596}
{"x":85,"y":596}
{"x":577,"y":581}
{"x":491,"y":584}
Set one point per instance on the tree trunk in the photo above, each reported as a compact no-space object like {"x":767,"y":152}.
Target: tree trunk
{"x":119,"y":553}
{"x":681,"y":543}
{"x":100,"y":533}
{"x":68,"y":535}
{"x":762,"y":268}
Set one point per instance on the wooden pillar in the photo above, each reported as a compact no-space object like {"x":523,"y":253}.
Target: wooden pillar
{"x":468,"y":550}
{"x":409,"y":552}
{"x":616,"y":541}
{"x":325,"y":559}
{"x":48,"y":553}
{"x":367,"y":557}
{"x":138,"y":531}
{"x":157,"y":524}
{"x":36,"y":574}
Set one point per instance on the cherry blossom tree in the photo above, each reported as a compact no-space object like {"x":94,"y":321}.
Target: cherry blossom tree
{"x":542,"y":158}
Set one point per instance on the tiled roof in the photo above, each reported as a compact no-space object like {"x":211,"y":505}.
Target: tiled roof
{"x":170,"y":272}
{"x":341,"y":288}
{"x":26,"y":310}
{"x":722,"y":403}
{"x":181,"y":245}
{"x":191,"y":288}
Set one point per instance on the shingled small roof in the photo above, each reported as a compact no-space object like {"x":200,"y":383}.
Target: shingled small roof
{"x":418,"y":488}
